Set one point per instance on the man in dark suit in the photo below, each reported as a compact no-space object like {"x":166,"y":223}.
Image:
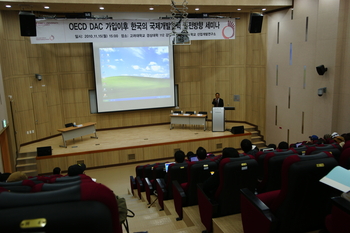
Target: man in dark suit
{"x":217,"y":101}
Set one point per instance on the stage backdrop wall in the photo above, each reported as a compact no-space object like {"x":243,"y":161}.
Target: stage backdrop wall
{"x":231,"y":67}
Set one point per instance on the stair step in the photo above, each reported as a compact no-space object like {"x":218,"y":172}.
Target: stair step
{"x":26,"y":165}
{"x":29,"y":171}
{"x":26,"y":158}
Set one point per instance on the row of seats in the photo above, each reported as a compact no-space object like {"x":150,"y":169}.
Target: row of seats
{"x":236,"y":175}
{"x":71,"y":204}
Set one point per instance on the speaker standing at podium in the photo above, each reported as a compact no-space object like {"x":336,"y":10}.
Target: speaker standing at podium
{"x":217,"y":101}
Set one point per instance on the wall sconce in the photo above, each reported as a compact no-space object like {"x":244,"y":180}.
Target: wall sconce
{"x":320,"y":91}
{"x":321,"y":69}
{"x":38,"y":77}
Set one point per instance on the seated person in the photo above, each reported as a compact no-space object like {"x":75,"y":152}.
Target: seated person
{"x":56,"y":171}
{"x":283,"y":145}
{"x":189,"y":155}
{"x":179,"y":156}
{"x":76,"y":169}
{"x":247,"y":147}
{"x":212,"y":183}
{"x":201,"y":153}
{"x":273,"y":146}
{"x":17,"y":176}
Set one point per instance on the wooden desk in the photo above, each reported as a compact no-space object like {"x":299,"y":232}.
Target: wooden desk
{"x":78,"y":131}
{"x":187,"y":119}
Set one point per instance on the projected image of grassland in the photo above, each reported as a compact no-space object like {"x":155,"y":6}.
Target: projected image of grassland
{"x":117,"y":87}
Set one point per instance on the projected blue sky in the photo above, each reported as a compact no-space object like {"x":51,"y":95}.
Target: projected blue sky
{"x":135,"y":61}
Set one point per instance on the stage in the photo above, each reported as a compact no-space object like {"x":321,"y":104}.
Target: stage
{"x":135,"y":144}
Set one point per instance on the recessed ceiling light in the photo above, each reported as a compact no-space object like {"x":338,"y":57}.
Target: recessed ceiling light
{"x":264,"y":9}
{"x":196,"y":9}
{"x":46,"y":7}
{"x":151,"y":8}
{"x":8,"y":6}
{"x":102,"y":8}
{"x":239,"y":9}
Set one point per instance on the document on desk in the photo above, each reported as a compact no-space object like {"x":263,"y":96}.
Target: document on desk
{"x":338,"y":178}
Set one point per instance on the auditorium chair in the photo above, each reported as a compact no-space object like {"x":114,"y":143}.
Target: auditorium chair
{"x":260,"y":156}
{"x":344,"y":159}
{"x":67,"y":178}
{"x":164,"y":187}
{"x":338,"y":221}
{"x":140,"y":175}
{"x":149,"y":183}
{"x":271,"y":179}
{"x":334,"y":148}
{"x":185,"y":194}
{"x":299,"y":206}
{"x":235,"y":174}
{"x":88,"y":207}
{"x":55,"y":186}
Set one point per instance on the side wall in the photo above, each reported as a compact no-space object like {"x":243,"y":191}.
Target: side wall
{"x":231,"y":67}
{"x":312,"y":34}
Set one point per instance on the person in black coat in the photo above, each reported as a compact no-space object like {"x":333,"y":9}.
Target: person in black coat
{"x":217,"y":101}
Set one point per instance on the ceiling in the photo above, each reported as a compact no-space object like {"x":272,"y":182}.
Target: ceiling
{"x":38,"y":8}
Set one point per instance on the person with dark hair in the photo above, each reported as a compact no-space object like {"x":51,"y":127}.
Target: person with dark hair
{"x":201,"y":153}
{"x":76,"y":169}
{"x":273,"y":146}
{"x":247,"y":147}
{"x":56,"y":171}
{"x":189,"y":155}
{"x":179,"y":156}
{"x":217,"y":101}
{"x":283,"y":145}
{"x":212,"y":183}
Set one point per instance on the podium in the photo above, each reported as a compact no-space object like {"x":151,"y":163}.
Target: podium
{"x":219,"y":118}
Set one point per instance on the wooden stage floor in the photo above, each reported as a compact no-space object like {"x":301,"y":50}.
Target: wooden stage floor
{"x":129,"y":138}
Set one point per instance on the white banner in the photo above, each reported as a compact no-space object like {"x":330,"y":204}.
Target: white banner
{"x":97,"y":30}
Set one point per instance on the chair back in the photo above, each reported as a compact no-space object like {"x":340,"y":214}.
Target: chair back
{"x":235,"y":174}
{"x":301,"y":205}
{"x":176,"y":171}
{"x":64,"y":210}
{"x":272,"y":172}
{"x":198,"y":172}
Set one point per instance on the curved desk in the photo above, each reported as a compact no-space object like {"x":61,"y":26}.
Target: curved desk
{"x":77,"y":131}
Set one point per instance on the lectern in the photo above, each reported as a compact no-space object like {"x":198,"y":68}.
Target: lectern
{"x":219,"y":118}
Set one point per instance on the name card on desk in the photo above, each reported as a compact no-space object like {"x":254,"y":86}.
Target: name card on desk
{"x":79,"y":125}
{"x":186,"y":114}
{"x":199,"y":114}
{"x":175,"y":114}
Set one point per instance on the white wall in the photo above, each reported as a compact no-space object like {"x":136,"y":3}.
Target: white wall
{"x":320,"y":45}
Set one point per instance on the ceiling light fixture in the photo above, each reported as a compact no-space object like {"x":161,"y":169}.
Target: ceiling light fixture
{"x":151,"y":8}
{"x":239,"y":9}
{"x":196,"y":9}
{"x":46,"y":7}
{"x":102,"y":8}
{"x":264,"y":9}
{"x":8,"y":6}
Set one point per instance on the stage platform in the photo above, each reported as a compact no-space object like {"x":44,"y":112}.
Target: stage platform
{"x":128,"y":145}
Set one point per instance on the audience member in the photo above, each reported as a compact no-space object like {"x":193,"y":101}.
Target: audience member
{"x":201,"y":153}
{"x":56,"y":171}
{"x":189,"y":155}
{"x":179,"y":156}
{"x":17,"y":176}
{"x":273,"y":146}
{"x":76,"y":169}
{"x":247,"y":147}
{"x":212,"y":183}
{"x":283,"y":145}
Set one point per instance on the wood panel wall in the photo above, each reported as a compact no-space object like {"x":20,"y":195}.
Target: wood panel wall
{"x":231,"y":67}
